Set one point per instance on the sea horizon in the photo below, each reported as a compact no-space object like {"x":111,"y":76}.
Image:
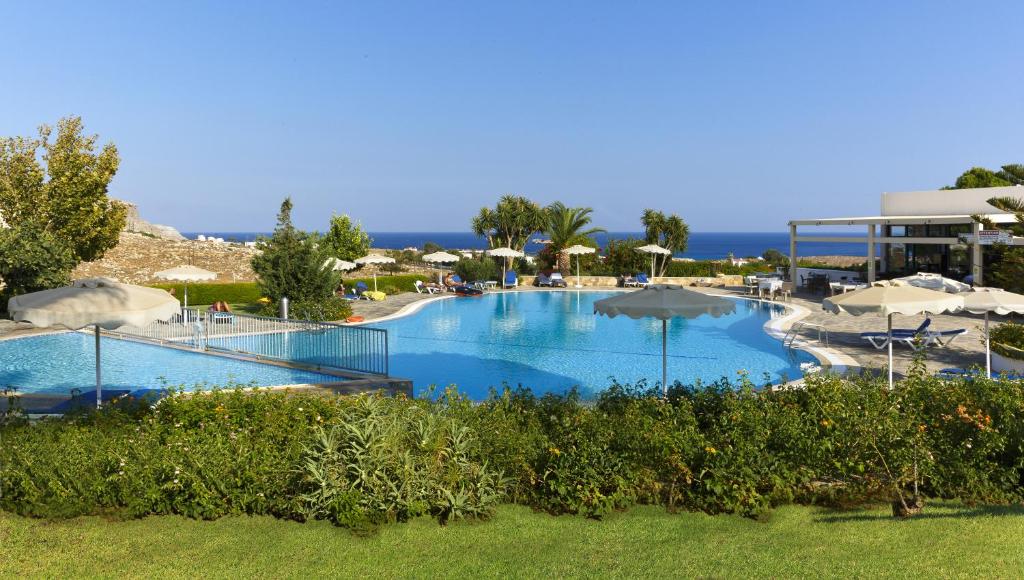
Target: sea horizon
{"x":701,"y":246}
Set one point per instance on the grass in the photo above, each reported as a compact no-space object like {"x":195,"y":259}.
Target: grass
{"x":947,"y":540}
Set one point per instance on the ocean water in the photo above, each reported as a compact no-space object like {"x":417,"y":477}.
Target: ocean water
{"x":702,"y":245}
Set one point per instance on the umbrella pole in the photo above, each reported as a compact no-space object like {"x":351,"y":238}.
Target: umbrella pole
{"x":664,"y":357}
{"x":374,"y":281}
{"x":579,"y":273}
{"x":186,"y":295}
{"x":99,"y":384}
{"x":988,"y":350}
{"x":889,"y":332}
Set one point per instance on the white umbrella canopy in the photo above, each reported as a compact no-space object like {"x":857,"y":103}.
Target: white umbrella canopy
{"x":893,"y":297}
{"x":186,"y":274}
{"x":664,"y":302}
{"x":375,"y":259}
{"x":339,"y":265}
{"x":986,"y":300}
{"x":578,"y":250}
{"x":440,"y":258}
{"x":935,"y":282}
{"x":505,"y":253}
{"x":96,"y":302}
{"x":653,"y":250}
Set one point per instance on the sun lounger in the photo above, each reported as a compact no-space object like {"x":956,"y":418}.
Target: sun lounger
{"x":429,"y":289}
{"x":953,"y":373}
{"x":511,"y":280}
{"x":880,"y":340}
{"x":557,"y":281}
{"x":542,"y":279}
{"x":944,"y":337}
{"x":629,"y":282}
{"x":641,"y":280}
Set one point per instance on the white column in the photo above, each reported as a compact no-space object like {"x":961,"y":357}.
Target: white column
{"x":976,"y":269}
{"x":792,"y":256}
{"x":871,"y":253}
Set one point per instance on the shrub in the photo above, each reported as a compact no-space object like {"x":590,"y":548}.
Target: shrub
{"x":364,"y":460}
{"x":333,"y":308}
{"x":389,"y":284}
{"x":1008,"y":340}
{"x":232,"y":293}
{"x":481,"y":268}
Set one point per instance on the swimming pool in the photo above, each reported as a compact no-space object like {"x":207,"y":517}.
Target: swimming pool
{"x":552,"y":341}
{"x":57,"y":363}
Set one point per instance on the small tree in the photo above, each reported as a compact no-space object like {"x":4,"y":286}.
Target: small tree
{"x":293,"y":264}
{"x":32,"y":259}
{"x":669,"y":232}
{"x":346,"y":240}
{"x":55,"y":192}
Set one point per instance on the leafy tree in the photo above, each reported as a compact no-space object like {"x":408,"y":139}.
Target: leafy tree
{"x":480,"y":268}
{"x":53,"y":193}
{"x":511,"y":223}
{"x":567,"y":226}
{"x":979,"y":177}
{"x":431,"y":247}
{"x":345,"y":239}
{"x":669,"y":232}
{"x":621,"y":257}
{"x":32,"y":259}
{"x":293,"y":264}
{"x":775,"y":258}
{"x":62,"y":185}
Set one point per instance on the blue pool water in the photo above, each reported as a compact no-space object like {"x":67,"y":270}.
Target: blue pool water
{"x":552,"y":341}
{"x":56,"y":363}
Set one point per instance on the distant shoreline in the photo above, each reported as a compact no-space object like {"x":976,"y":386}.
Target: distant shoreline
{"x":702,"y":245}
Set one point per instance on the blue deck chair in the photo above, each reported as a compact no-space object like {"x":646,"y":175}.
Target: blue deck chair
{"x":511,"y":280}
{"x":880,"y":340}
{"x":641,"y":280}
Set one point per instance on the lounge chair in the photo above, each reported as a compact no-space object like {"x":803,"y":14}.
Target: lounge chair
{"x":629,"y":282}
{"x":943,"y":337}
{"x":511,"y":280}
{"x":542,"y":279}
{"x":557,"y":281}
{"x":428,"y":288}
{"x":953,"y":373}
{"x":880,"y":340}
{"x":454,"y":281}
{"x":641,"y":280}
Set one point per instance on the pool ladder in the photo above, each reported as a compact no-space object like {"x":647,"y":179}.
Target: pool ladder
{"x":793,"y":334}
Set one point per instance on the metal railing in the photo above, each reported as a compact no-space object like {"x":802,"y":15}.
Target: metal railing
{"x":311,"y":343}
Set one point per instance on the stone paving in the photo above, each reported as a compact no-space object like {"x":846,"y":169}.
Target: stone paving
{"x":844,"y":336}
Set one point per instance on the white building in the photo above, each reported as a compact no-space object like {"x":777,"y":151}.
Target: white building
{"x":919,"y":231}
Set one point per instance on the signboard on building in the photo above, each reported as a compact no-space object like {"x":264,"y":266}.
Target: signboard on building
{"x":988,"y":237}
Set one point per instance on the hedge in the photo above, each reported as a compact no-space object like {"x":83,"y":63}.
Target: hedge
{"x":389,"y":284}
{"x":232,"y":293}
{"x":363,"y":460}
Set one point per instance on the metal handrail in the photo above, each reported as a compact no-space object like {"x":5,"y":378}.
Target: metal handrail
{"x":309,"y":342}
{"x":794,"y":333}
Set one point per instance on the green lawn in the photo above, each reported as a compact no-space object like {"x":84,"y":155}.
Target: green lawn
{"x":948,"y":540}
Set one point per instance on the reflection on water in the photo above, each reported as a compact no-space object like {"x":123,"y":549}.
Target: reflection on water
{"x":552,"y":341}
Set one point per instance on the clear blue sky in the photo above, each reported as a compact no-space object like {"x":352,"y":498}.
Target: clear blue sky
{"x":410,"y":116}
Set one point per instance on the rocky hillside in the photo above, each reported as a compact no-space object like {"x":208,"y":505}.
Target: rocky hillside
{"x":135,"y":223}
{"x":138,"y":256}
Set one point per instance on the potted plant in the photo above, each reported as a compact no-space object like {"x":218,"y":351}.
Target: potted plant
{"x":1008,"y":348}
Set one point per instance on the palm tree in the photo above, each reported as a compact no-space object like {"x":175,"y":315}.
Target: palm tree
{"x":566,"y":226}
{"x":669,"y":232}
